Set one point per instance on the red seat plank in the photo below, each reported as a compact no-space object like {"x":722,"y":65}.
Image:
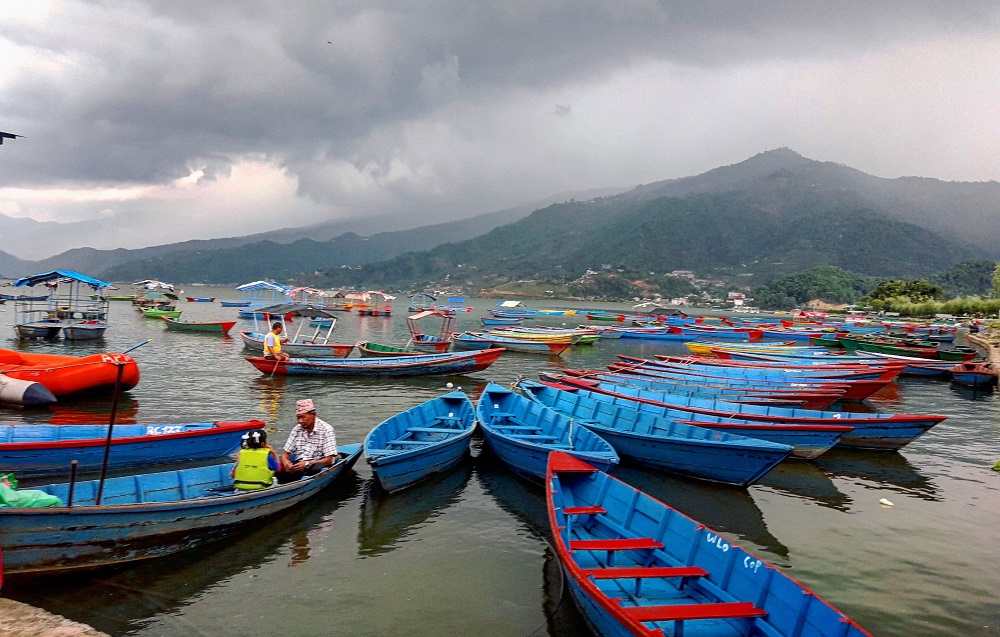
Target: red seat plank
{"x":565,"y":463}
{"x":645,"y":571}
{"x":683,"y":612}
{"x":589,"y":510}
{"x":622,"y":544}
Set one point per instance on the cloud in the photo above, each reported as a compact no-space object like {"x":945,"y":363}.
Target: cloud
{"x":446,"y":107}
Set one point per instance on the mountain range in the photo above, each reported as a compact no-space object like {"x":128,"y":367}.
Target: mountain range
{"x":774,"y":213}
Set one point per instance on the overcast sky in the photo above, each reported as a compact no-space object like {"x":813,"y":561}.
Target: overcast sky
{"x":200,"y":119}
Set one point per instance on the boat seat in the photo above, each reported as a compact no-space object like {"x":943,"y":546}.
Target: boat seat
{"x":538,"y":437}
{"x":518,"y":427}
{"x":448,"y":418}
{"x":630,"y":572}
{"x":587,"y":510}
{"x":433,"y":430}
{"x":618,"y":544}
{"x":500,"y":415}
{"x":682,"y":612}
{"x":411,"y":443}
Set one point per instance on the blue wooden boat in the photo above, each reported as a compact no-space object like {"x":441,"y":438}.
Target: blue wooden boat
{"x":522,"y":432}
{"x":974,"y":374}
{"x":709,"y":388}
{"x":490,"y":322}
{"x":871,"y":430}
{"x":807,"y":441}
{"x":145,"y":516}
{"x":419,"y":365}
{"x":40,"y":450}
{"x":427,"y":439}
{"x":226,"y":303}
{"x":637,"y":567}
{"x":666,"y":334}
{"x":697,"y":452}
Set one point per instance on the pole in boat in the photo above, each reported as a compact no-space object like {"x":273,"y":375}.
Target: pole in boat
{"x":111,"y":426}
{"x":72,"y":481}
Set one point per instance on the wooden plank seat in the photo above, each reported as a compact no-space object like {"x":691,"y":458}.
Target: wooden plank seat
{"x":584,"y":510}
{"x":411,"y":443}
{"x":619,"y":544}
{"x":683,"y":612}
{"x":501,"y":415}
{"x":518,"y":428}
{"x":630,"y":572}
{"x":538,"y":437}
{"x":433,"y":430}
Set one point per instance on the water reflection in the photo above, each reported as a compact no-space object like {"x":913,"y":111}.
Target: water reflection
{"x":387,"y":520}
{"x":890,"y":470}
{"x":807,"y":481}
{"x":522,"y":499}
{"x":717,"y":506}
{"x":120,"y":599}
{"x":561,"y":615}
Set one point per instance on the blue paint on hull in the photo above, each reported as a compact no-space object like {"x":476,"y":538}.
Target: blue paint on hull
{"x":123,"y":530}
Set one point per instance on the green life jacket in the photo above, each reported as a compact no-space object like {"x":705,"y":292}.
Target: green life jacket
{"x":252,"y":471}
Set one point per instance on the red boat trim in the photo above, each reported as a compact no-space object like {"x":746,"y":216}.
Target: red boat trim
{"x":219,"y":428}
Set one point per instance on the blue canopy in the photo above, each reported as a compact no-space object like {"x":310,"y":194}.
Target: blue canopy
{"x":56,"y":275}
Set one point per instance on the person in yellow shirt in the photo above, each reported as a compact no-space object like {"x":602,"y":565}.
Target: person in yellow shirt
{"x":256,"y":463}
{"x":272,"y":344}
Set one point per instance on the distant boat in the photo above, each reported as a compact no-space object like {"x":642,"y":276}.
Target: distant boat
{"x":422,"y":365}
{"x":210,"y":327}
{"x":419,"y":442}
{"x":164,"y":513}
{"x":201,"y":299}
{"x":636,"y":566}
{"x":157,"y":313}
{"x":369,"y":349}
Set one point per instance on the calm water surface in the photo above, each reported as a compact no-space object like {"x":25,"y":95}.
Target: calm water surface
{"x":467,"y":553}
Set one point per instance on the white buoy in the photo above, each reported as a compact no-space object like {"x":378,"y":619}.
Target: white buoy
{"x":886,"y":502}
{"x":24,"y":392}
{"x":449,"y":385}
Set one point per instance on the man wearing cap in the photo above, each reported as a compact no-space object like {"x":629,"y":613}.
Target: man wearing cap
{"x":311,"y":445}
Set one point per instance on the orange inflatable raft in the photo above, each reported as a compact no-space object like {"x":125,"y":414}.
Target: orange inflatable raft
{"x":65,"y":375}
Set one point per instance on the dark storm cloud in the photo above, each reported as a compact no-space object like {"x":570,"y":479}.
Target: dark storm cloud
{"x":138,"y":91}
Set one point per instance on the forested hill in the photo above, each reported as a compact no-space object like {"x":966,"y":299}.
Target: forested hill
{"x":763,"y":231}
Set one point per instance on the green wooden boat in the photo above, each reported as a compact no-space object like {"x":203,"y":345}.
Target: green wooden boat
{"x":209,"y":327}
{"x":929,"y":351}
{"x":158,"y":313}
{"x":369,"y":349}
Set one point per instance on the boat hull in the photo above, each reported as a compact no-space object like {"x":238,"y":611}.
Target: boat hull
{"x":84,"y":332}
{"x":62,"y":539}
{"x":66,"y":375}
{"x":426,"y":439}
{"x":255,"y":341}
{"x":422,"y":365}
{"x":395,"y":473}
{"x":217,"y":327}
{"x":38,"y":330}
{"x":161,"y":444}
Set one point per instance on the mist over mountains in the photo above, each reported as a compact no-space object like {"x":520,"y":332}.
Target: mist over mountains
{"x":774,"y":213}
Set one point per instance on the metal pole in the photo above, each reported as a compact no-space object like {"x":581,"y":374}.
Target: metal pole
{"x":111,"y":426}
{"x":72,"y":482}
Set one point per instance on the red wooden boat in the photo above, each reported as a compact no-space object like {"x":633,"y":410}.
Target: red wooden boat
{"x":65,"y":375}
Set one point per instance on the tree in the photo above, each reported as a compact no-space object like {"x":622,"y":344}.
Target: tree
{"x":996,"y":281}
{"x":916,"y":290}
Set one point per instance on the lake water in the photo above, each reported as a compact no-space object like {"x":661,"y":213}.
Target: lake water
{"x":467,"y":553}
